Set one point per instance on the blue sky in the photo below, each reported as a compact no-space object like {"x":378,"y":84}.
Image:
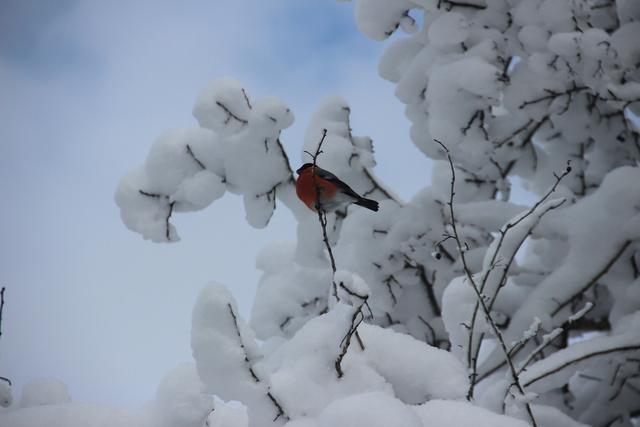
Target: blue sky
{"x":85,"y":88}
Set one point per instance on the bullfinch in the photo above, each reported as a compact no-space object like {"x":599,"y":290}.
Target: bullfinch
{"x":332,"y":191}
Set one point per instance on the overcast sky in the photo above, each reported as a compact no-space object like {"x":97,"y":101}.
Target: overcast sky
{"x":85,"y":88}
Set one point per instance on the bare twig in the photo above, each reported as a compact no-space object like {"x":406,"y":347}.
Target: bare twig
{"x":480,"y":297}
{"x":161,"y":196}
{"x":280,"y":411}
{"x":322,"y":215}
{"x":1,"y":307}
{"x":505,"y":261}
{"x":561,"y":304}
{"x":190,"y":151}
{"x":553,"y":95}
{"x":230,"y":115}
{"x":357,"y":318}
{"x":450,"y":4}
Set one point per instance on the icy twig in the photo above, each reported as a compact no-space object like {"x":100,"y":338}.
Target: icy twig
{"x":481,"y":299}
{"x":528,"y":335}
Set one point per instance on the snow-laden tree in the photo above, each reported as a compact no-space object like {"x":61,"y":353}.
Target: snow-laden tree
{"x":457,"y":307}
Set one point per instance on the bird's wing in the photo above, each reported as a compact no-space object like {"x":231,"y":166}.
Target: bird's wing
{"x":328,"y":176}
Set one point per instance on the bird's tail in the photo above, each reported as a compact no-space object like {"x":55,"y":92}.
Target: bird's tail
{"x":368,"y":203}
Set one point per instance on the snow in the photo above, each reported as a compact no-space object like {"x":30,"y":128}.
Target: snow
{"x":378,"y":19}
{"x":181,"y":399}
{"x":417,"y":371}
{"x":447,"y":29}
{"x":395,"y":335}
{"x":44,"y":391}
{"x":235,"y":148}
{"x":583,"y":355}
{"x":373,"y":409}
{"x":452,"y":413}
{"x":75,"y":415}
{"x":224,"y":347}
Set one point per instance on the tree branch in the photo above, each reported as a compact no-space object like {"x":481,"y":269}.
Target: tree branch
{"x":195,"y":158}
{"x":1,"y":307}
{"x":494,"y":328}
{"x":322,"y":215}
{"x":230,"y":115}
{"x":280,"y":411}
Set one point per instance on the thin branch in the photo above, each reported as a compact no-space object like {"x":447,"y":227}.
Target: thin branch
{"x":480,"y":297}
{"x":553,"y":95}
{"x":587,"y":356}
{"x":144,"y":193}
{"x":562,"y":304}
{"x":230,"y":115}
{"x":548,"y":338}
{"x":159,"y":196}
{"x":1,"y":307}
{"x":450,"y":4}
{"x":433,"y":301}
{"x":246,"y":98}
{"x":273,"y":400}
{"x":597,"y":277}
{"x":475,"y":345}
{"x":377,"y":186}
{"x":195,"y":158}
{"x":353,"y":330}
{"x":322,"y":215}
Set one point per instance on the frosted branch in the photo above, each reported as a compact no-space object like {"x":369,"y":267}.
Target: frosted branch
{"x":548,"y":338}
{"x":585,"y":355}
{"x":594,"y":280}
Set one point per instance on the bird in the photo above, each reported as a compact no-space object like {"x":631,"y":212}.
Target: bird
{"x":314,"y":181}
